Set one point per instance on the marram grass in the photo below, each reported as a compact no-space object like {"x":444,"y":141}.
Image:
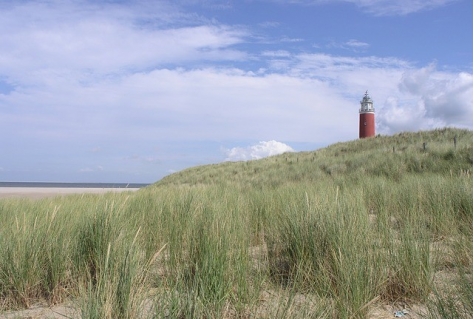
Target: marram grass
{"x":333,"y":233}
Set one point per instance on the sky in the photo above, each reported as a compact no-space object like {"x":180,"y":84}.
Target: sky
{"x":134,"y":90}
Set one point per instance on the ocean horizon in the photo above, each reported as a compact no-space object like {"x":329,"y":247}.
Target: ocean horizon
{"x":72,"y":185}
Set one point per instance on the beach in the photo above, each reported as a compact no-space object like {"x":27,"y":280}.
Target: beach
{"x":45,"y":192}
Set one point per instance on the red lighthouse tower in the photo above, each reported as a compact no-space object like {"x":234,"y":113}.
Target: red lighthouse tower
{"x":367,"y":117}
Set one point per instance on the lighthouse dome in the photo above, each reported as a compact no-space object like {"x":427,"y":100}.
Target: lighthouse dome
{"x":366,"y":105}
{"x":366,"y":98}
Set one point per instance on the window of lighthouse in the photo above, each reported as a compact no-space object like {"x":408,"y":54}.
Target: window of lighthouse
{"x":366,"y":104}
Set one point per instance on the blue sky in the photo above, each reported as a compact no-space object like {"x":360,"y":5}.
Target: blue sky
{"x":130,"y":91}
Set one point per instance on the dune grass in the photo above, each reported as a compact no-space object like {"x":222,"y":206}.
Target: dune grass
{"x":325,"y":234}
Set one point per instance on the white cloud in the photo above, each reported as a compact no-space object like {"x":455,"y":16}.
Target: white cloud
{"x":352,"y":45}
{"x":87,"y":41}
{"x":288,"y":39}
{"x":314,"y":99}
{"x":406,"y":97}
{"x":356,"y":44}
{"x":258,"y":151}
{"x":399,"y":7}
{"x":278,"y":53}
{"x":381,"y":7}
{"x":396,"y":116}
{"x":450,"y":100}
{"x":434,"y":99}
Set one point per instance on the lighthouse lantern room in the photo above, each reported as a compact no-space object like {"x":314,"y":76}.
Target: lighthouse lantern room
{"x":367,"y":117}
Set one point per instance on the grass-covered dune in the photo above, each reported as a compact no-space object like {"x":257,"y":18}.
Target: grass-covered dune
{"x":383,"y":156}
{"x":353,"y":230}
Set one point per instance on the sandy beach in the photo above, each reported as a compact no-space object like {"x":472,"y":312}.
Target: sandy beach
{"x":44,"y":192}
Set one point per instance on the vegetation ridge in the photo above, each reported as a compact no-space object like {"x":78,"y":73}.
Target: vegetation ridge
{"x":358,"y":229}
{"x":440,"y":151}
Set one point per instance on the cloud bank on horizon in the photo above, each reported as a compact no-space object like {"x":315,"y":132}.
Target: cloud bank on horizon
{"x":130,"y":90}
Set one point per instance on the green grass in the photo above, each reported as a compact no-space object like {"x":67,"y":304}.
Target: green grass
{"x":326,"y":234}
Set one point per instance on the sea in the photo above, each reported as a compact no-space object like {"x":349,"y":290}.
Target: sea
{"x":73,"y":185}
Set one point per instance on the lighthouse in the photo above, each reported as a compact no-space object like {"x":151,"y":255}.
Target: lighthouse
{"x":367,"y":117}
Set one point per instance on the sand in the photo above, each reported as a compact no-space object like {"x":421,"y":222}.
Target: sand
{"x":44,"y":192}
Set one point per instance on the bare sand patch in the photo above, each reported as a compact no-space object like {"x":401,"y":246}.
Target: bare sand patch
{"x":43,"y":311}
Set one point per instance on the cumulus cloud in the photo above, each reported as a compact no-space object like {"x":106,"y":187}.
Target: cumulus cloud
{"x":396,"y":116}
{"x":258,"y":151}
{"x":432,"y":99}
{"x":451,"y":101}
